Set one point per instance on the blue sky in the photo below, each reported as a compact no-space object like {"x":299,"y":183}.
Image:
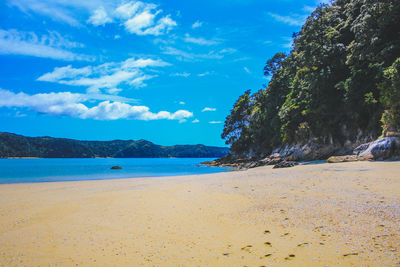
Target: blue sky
{"x":165,"y":71}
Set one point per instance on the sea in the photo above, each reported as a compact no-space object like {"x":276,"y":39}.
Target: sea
{"x":36,"y":170}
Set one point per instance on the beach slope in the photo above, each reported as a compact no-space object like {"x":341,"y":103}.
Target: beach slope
{"x":310,"y":215}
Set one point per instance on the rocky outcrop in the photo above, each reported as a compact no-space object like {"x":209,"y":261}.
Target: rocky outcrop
{"x":289,"y":155}
{"x":116,"y":168}
{"x":380,"y":149}
{"x":248,"y":163}
{"x":285,"y":164}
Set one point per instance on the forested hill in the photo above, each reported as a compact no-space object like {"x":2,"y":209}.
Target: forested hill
{"x":340,"y":82}
{"x":12,"y":145}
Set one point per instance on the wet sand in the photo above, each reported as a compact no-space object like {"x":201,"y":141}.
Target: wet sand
{"x":345,"y":214}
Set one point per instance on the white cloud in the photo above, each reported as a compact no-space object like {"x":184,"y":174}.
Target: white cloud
{"x":105,"y":76}
{"x":195,"y":121}
{"x":204,"y":74}
{"x":215,"y":122}
{"x":181,"y":103}
{"x":137,"y":17}
{"x":208,"y":109}
{"x":45,"y":46}
{"x":199,"y":40}
{"x":241,"y":59}
{"x":105,"y":81}
{"x":294,"y":20}
{"x":189,"y":56}
{"x":72,"y":105}
{"x":179,"y":53}
{"x":99,"y":17}
{"x":58,"y":10}
{"x":113,"y":90}
{"x":246,"y":70}
{"x":139,"y":22}
{"x":65,"y":72}
{"x":139,"y":81}
{"x":180,"y":74}
{"x":164,"y":25}
{"x":197,"y":24}
{"x":127,"y":10}
{"x":228,"y":51}
{"x":141,"y":18}
{"x":143,"y":63}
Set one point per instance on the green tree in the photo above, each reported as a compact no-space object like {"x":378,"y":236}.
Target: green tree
{"x":390,"y":97}
{"x":237,"y":124}
{"x":335,"y":84}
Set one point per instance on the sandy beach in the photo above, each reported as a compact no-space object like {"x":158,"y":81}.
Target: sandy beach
{"x":345,"y":214}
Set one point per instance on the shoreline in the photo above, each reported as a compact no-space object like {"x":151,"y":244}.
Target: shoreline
{"x":113,"y":179}
{"x":105,"y":158}
{"x":308,"y":215}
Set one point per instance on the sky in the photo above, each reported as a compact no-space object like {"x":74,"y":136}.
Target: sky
{"x":166,"y":71}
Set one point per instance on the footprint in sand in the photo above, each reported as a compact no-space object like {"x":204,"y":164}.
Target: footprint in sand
{"x":350,"y":254}
{"x":302,"y":244}
{"x":291,"y":256}
{"x":247,"y":248}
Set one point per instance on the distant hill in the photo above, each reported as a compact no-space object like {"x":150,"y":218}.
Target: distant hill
{"x":13,"y":145}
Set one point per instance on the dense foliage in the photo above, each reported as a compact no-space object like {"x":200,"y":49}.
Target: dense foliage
{"x":339,"y":82}
{"x":12,"y":145}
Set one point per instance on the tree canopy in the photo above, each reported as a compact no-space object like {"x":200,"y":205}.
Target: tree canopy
{"x":340,"y":81}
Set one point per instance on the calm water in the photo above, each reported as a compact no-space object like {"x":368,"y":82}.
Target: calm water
{"x":53,"y":170}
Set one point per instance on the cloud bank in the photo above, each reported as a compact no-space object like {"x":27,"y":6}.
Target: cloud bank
{"x":72,"y":105}
{"x":138,"y":18}
{"x":208,"y":109}
{"x":199,"y":40}
{"x":294,"y":20}
{"x":51,"y":45}
{"x":106,"y":76}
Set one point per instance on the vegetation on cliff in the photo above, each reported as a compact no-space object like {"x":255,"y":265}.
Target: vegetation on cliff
{"x":340,"y":82}
{"x":12,"y":145}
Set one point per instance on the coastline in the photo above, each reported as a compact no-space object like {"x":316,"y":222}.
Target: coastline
{"x":310,"y":215}
{"x":20,"y":158}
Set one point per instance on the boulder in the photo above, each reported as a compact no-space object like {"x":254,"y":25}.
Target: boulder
{"x":249,"y":165}
{"x":116,"y":168}
{"x":337,"y":159}
{"x":380,"y":149}
{"x":274,"y":161}
{"x":361,"y":148}
{"x":305,"y":152}
{"x":285,"y":164}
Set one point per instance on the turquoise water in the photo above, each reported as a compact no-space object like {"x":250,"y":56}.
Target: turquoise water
{"x":54,"y":170}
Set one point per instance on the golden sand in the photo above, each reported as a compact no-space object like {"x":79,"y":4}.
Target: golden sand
{"x":344,"y":214}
